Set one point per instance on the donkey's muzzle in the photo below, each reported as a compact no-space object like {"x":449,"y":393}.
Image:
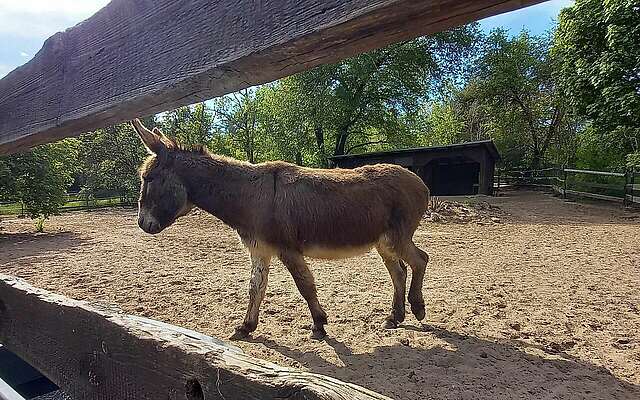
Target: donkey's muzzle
{"x":148,"y":224}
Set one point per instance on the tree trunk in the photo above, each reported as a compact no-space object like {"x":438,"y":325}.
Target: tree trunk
{"x":536,"y":159}
{"x":319,"y":132}
{"x":341,"y":142}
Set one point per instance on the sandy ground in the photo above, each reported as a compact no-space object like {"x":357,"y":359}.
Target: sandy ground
{"x":543,"y":305}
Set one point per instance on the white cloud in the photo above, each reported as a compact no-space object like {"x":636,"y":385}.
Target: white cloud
{"x":43,"y":18}
{"x":25,"y":55}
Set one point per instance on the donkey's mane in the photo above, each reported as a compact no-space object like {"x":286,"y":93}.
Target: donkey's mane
{"x":172,"y":144}
{"x":198,"y":149}
{"x":196,"y":154}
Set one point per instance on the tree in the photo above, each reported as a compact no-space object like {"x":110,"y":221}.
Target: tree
{"x":237,"y":115}
{"x":189,"y":125}
{"x":363,"y":103}
{"x":40,"y":177}
{"x":513,"y":85}
{"x":444,"y":124}
{"x":109,"y":160}
{"x":598,"y":45}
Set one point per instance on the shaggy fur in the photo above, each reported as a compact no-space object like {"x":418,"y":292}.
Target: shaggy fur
{"x":285,"y":211}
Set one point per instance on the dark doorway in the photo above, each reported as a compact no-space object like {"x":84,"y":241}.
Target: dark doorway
{"x":454,"y":179}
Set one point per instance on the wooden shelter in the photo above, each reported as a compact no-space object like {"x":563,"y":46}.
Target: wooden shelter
{"x":457,"y":169}
{"x":139,"y":57}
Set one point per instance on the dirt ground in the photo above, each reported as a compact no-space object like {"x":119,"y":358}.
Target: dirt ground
{"x":543,"y":303}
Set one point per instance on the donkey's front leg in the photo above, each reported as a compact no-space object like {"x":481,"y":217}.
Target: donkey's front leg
{"x":258,"y":286}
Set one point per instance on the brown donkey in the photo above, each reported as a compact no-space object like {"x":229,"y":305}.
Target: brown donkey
{"x":282,"y":210}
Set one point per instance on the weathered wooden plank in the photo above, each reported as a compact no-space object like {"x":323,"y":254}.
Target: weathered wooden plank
{"x":139,"y":57}
{"x":588,"y":172}
{"x":618,"y":187}
{"x":594,"y":196}
{"x":95,"y":352}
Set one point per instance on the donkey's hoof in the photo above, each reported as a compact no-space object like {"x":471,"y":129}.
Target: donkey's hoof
{"x":318,"y":333}
{"x":240,"y":333}
{"x":419,"y":311}
{"x":389,"y":324}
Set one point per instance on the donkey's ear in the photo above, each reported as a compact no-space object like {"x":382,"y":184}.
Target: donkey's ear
{"x":168,"y":143}
{"x":151,"y":140}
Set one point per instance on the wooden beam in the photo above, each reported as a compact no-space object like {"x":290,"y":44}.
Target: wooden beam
{"x":139,"y":57}
{"x":96,"y":352}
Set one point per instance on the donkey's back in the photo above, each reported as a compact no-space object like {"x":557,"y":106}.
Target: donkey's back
{"x":343,"y":212}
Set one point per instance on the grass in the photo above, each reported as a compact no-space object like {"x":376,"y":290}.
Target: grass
{"x":10,"y":209}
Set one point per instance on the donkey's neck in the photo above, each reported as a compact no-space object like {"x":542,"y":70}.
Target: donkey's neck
{"x":224,"y":187}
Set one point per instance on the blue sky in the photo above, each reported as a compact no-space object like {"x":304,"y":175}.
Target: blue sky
{"x":25,"y":24}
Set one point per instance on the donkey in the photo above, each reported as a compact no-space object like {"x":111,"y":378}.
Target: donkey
{"x":286,"y":211}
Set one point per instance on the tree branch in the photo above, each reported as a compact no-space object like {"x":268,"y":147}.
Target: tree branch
{"x":365,"y":144}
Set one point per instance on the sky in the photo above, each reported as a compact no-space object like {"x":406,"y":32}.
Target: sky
{"x":26,"y":24}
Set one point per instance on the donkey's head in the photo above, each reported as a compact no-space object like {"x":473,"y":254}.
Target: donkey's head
{"x":163,"y":195}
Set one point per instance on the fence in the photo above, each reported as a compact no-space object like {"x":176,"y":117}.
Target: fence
{"x":97,"y":352}
{"x":600,"y":185}
{"x":74,"y":202}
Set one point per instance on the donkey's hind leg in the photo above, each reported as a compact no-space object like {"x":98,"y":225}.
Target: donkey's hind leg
{"x":398,"y":272}
{"x":417,"y":260}
{"x":303,"y":278}
{"x":257,"y":287}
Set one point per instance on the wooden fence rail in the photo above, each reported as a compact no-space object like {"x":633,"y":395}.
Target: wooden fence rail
{"x":139,"y":57}
{"x":95,"y":352}
{"x":564,"y":182}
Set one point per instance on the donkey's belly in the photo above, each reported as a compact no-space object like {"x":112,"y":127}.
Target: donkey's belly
{"x":336,"y":253}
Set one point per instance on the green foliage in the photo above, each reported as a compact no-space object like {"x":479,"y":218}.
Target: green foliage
{"x":633,"y":161}
{"x":513,"y":98}
{"x":7,"y":180}
{"x":40,"y":224}
{"x":190,"y":126}
{"x":237,"y":130}
{"x":109,"y":160}
{"x":446,"y":126}
{"x":40,"y":178}
{"x":598,"y":45}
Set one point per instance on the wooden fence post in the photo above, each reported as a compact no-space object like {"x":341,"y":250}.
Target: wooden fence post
{"x":633,"y":187}
{"x":564,"y":182}
{"x":628,"y":179}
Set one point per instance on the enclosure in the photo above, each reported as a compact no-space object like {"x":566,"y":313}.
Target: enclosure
{"x":533,"y":298}
{"x":524,"y":302}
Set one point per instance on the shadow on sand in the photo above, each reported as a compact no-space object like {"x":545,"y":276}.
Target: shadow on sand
{"x":464,"y":367}
{"x":25,"y":247}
